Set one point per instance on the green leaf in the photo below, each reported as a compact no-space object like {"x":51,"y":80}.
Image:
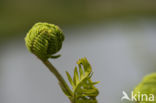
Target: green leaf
{"x":70,"y":79}
{"x":76,"y":77}
{"x":83,"y":88}
{"x":146,"y":87}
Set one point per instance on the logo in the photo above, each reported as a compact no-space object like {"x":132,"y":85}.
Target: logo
{"x":138,"y":97}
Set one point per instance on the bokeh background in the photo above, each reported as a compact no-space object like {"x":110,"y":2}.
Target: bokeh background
{"x":117,"y":36}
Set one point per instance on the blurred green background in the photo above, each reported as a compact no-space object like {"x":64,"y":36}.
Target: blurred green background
{"x":117,"y":36}
{"x":17,"y":16}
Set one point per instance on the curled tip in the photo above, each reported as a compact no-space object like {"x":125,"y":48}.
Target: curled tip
{"x":44,"y":40}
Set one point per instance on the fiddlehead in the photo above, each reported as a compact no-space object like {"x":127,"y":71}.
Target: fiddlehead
{"x":44,"y":40}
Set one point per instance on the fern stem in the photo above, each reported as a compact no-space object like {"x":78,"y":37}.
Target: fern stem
{"x":59,"y":77}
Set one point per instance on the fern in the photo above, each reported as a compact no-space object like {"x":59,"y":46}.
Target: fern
{"x":83,"y":88}
{"x":44,"y":40}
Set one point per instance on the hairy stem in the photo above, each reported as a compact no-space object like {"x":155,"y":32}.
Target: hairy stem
{"x":59,"y":77}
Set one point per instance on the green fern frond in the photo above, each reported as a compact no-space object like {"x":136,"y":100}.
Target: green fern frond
{"x":83,"y":88}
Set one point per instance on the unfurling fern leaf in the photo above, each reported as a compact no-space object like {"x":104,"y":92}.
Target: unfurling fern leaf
{"x":83,"y":88}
